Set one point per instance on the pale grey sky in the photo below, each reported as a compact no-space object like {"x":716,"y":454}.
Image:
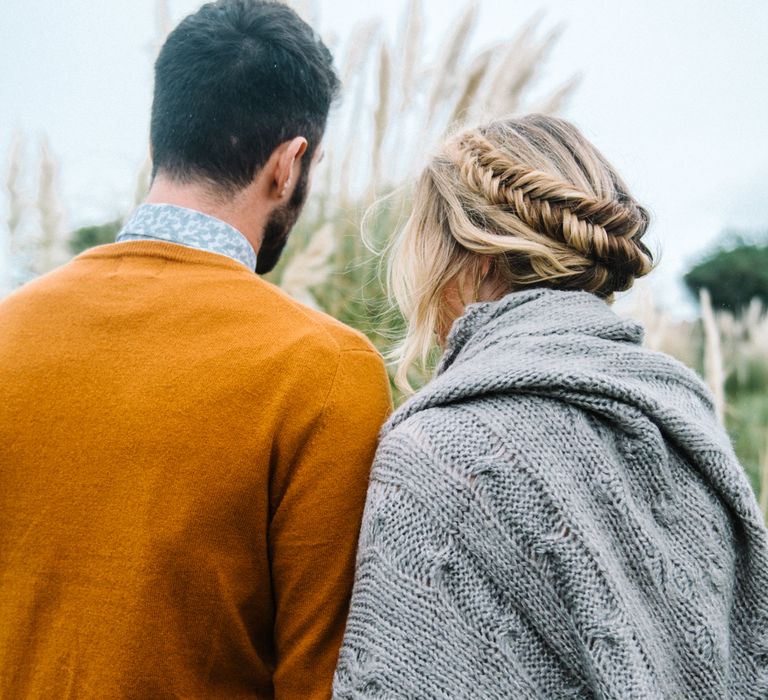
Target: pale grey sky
{"x":675,"y":93}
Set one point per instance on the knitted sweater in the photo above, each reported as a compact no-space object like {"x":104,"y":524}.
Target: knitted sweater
{"x":559,"y":514}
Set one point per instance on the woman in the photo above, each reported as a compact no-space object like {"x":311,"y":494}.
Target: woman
{"x":559,"y":512}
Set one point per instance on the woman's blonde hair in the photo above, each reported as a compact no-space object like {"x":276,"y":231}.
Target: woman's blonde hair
{"x":529,"y":201}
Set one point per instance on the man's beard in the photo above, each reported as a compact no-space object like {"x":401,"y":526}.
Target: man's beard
{"x":279,"y":226}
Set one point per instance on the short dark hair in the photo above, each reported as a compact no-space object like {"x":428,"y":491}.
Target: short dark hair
{"x":232,"y":82}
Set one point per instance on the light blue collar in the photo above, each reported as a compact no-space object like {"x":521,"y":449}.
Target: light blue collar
{"x":172,"y":224}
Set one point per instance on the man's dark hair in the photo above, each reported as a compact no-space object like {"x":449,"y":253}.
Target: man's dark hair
{"x":232,"y":82}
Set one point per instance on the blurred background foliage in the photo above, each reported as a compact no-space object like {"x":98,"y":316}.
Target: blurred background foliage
{"x":399,"y":99}
{"x":89,"y":236}
{"x":735,"y":273}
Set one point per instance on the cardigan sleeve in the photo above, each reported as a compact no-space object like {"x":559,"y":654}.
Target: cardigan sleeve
{"x":314,"y":530}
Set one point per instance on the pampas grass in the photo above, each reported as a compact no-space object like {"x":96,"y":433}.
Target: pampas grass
{"x":714,"y":371}
{"x":398,"y":102}
{"x":9,"y":235}
{"x":763,"y":490}
{"x":34,"y":239}
{"x":51,"y":249}
{"x":310,"y":267}
{"x":13,"y":189}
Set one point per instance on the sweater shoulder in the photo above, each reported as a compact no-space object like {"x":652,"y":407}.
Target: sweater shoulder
{"x":435,"y":441}
{"x":319,"y":326}
{"x":158,"y":276}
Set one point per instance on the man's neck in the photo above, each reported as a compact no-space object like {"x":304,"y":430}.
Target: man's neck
{"x":241,"y":211}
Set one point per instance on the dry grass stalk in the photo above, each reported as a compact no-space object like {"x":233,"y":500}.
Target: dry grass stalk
{"x":51,"y":246}
{"x":143,"y":181}
{"x":764,"y":480}
{"x":447,"y":67}
{"x":512,"y":53}
{"x":519,"y":67}
{"x":306,"y":9}
{"x":310,"y":267}
{"x":474,"y":79}
{"x":410,"y":50}
{"x":9,"y":241}
{"x":359,"y":47}
{"x":657,"y":324}
{"x":714,"y":371}
{"x":381,"y":116}
{"x":16,"y":205}
{"x":163,"y":25}
{"x":555,"y":102}
{"x":359,"y":52}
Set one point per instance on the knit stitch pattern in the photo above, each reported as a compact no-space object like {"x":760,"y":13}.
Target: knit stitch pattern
{"x":559,"y":514}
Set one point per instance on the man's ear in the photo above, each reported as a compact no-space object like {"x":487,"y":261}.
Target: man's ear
{"x":290,"y":154}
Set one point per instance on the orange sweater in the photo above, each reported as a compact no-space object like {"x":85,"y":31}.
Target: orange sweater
{"x":184,"y":455}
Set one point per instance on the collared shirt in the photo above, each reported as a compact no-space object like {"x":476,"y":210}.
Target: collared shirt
{"x":172,"y":224}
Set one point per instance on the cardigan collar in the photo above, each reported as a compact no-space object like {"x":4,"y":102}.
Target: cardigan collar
{"x":562,"y":345}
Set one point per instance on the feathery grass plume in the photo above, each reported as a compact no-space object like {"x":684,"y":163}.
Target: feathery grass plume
{"x":654,"y":320}
{"x":554,"y":103}
{"x":51,"y":245}
{"x":308,"y":10}
{"x":515,"y":51}
{"x":714,"y":371}
{"x":13,"y":188}
{"x":163,"y":25}
{"x":410,"y":51}
{"x":447,"y":67}
{"x":380,"y":117}
{"x":364,"y":38}
{"x":310,"y":268}
{"x":11,"y":246}
{"x":143,"y":182}
{"x":763,"y":495}
{"x":473,"y":79}
{"x":362,"y":44}
{"x":6,"y":271}
{"x":9,"y":234}
{"x":519,"y":67}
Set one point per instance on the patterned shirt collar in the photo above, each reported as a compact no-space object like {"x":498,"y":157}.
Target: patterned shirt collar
{"x":172,"y":224}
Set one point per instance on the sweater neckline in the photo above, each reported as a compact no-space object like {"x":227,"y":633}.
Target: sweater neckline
{"x":161,"y":249}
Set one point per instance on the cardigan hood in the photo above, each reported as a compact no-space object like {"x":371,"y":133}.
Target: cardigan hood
{"x":574,"y":348}
{"x":547,"y":342}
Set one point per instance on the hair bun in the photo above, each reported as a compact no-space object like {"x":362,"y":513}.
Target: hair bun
{"x":605,"y":232}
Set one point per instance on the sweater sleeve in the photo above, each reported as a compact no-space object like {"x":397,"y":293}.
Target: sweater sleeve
{"x":315,"y":526}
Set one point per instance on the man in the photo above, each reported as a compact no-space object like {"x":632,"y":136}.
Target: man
{"x":184,"y":450}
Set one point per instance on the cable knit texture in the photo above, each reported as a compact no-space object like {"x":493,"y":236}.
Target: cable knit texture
{"x":557,"y":515}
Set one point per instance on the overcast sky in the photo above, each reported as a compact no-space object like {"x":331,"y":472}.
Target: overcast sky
{"x":674,"y":92}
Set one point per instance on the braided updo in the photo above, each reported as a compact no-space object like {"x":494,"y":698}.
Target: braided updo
{"x":529,"y":202}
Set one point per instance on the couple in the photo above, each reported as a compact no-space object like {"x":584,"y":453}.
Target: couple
{"x":194,"y":478}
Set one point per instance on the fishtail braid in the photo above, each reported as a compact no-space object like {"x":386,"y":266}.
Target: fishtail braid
{"x":603,"y":230}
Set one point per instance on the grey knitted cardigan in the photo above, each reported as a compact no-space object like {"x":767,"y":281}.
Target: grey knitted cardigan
{"x":557,"y":515}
